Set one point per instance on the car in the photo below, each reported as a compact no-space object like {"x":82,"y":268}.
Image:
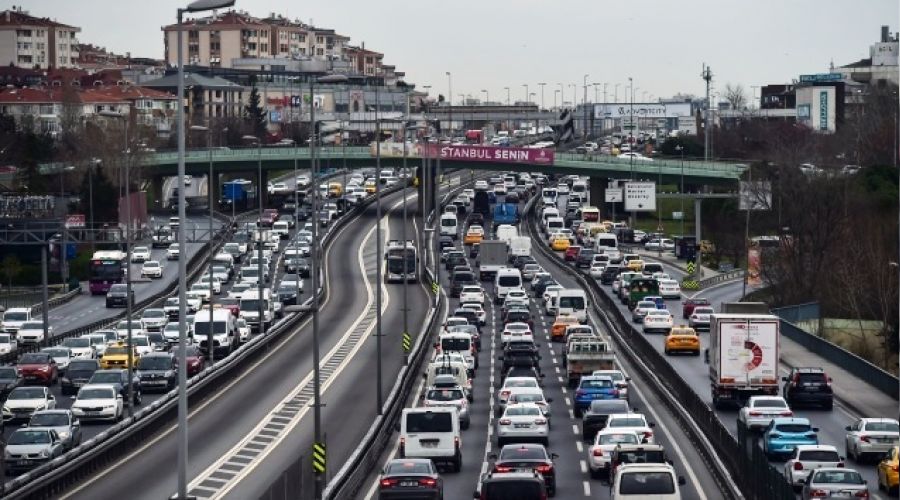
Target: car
{"x":38,"y":368}
{"x":119,"y":379}
{"x":152,"y":269}
{"x":659,"y":320}
{"x":689,"y":304}
{"x":118,"y":295}
{"x":215,"y":284}
{"x":641,"y":308}
{"x":449,"y":396}
{"x":591,"y":388}
{"x":807,"y":458}
{"x":140,"y":254}
{"x":887,"y":472}
{"x":79,"y":347}
{"x":572,"y":252}
{"x":116,"y":356}
{"x":243,"y":329}
{"x":153,"y":320}
{"x":669,"y":289}
{"x":523,"y":422}
{"x":63,"y":422}
{"x":477,"y":309}
{"x":646,"y":479}
{"x":636,"y":422}
{"x":596,"y":270}
{"x":871,"y":437}
{"x":530,"y":395}
{"x":682,"y":339}
{"x":699,"y":318}
{"x":173,"y":252}
{"x":471,"y":294}
{"x":473,"y":235}
{"x":516,"y":332}
{"x":515,"y":484}
{"x":836,"y":482}
{"x":635,"y":265}
{"x":61,"y":354}
{"x":560,"y":243}
{"x":511,"y":383}
{"x":9,"y":380}
{"x":404,"y":478}
{"x":530,"y":270}
{"x":618,"y":377}
{"x":523,"y":456}
{"x":157,"y":371}
{"x":759,"y":411}
{"x":28,"y":448}
{"x":600,"y":452}
{"x":98,"y":402}
{"x":22,"y":402}
{"x":32,"y":332}
{"x":79,"y":372}
{"x":783,"y":434}
{"x":196,"y":360}
{"x":610,"y":273}
{"x":808,"y":386}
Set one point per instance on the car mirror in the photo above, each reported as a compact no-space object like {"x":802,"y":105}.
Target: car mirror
{"x":651,"y":425}
{"x":549,"y":400}
{"x":554,"y":455}
{"x":681,"y":481}
{"x":847,"y":428}
{"x":815,"y":429}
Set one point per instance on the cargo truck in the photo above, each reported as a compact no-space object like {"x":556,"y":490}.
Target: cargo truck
{"x":506,"y":213}
{"x":493,"y":255}
{"x":743,"y":357}
{"x":584,"y":354}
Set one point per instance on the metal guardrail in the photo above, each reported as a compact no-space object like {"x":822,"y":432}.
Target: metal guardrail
{"x":720,"y":278}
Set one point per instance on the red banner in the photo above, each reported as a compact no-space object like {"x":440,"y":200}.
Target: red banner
{"x":494,"y":154}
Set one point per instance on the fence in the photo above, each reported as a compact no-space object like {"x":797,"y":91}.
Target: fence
{"x":290,"y":484}
{"x":799,"y":312}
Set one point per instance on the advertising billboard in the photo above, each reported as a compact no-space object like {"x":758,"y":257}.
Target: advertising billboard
{"x":817,"y":107}
{"x":640,"y":196}
{"x":642,"y":110}
{"x":532,"y":156}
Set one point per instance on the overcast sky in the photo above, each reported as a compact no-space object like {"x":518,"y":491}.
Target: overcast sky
{"x":492,"y":44}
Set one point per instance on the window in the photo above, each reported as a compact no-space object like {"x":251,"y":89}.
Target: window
{"x":264,"y":47}
{"x":251,"y":46}
{"x":25,"y":59}
{"x":25,"y":33}
{"x":320,"y":52}
{"x":320,"y":39}
{"x":429,"y":422}
{"x":302,"y":38}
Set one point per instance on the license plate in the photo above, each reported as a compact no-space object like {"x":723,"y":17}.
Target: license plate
{"x":408,"y":484}
{"x":428,"y":444}
{"x":840,"y":494}
{"x":23,"y":462}
{"x":598,"y":396}
{"x":522,"y":426}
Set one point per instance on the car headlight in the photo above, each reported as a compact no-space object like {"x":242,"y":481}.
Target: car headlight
{"x":64,"y":434}
{"x":45,"y":453}
{"x":109,"y":407}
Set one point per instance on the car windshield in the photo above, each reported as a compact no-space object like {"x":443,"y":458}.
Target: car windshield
{"x":793,"y":428}
{"x":154,"y":313}
{"x":769,"y":403}
{"x":596,"y":384}
{"x":74,"y":342}
{"x":96,"y":393}
{"x":626,"y":422}
{"x":80,"y":366}
{"x":155,"y":363}
{"x":429,"y":422}
{"x":703,"y":310}
{"x":106,"y":378}
{"x":403,"y":467}
{"x":57,"y":353}
{"x":616,"y":376}
{"x":27,"y":436}
{"x":115,"y":350}
{"x":455,"y":344}
{"x":520,"y":383}
{"x":444,"y":395}
{"x":837,"y":477}
{"x":33,"y":359}
{"x":140,"y":341}
{"x":819,"y":456}
{"x":658,"y":314}
{"x":882,"y":427}
{"x":647,"y":483}
{"x":49,"y":420}
{"x":15,"y":316}
{"x":27,"y":393}
{"x":151,"y":263}
{"x":513,"y":489}
{"x":522,"y":453}
{"x":8,"y":373}
{"x":523,"y":411}
{"x":619,"y":438}
{"x":32,"y":325}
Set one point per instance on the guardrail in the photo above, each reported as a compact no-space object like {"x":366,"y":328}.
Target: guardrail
{"x":55,"y":477}
{"x":720,"y":278}
{"x":55,"y":301}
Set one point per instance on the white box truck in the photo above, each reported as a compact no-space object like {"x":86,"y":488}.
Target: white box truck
{"x":743,"y":357}
{"x":493,"y":255}
{"x":519,"y":245}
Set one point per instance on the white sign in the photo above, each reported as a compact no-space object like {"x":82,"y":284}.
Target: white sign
{"x":755,"y":195}
{"x":640,"y":196}
{"x":614,"y":195}
{"x":74,"y":221}
{"x":677,"y":215}
{"x":640,"y":110}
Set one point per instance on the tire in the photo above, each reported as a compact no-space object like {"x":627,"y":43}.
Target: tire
{"x":577,"y":412}
{"x":457,"y":464}
{"x":829,"y":405}
{"x":551,"y":491}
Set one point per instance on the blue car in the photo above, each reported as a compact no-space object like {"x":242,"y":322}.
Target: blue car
{"x":785,"y":433}
{"x":660,"y":302}
{"x":591,"y":388}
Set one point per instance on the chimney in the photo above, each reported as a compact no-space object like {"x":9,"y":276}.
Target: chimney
{"x":885,"y":34}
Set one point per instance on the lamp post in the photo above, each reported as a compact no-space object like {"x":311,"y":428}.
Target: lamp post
{"x":91,"y":166}
{"x":508,"y":111}
{"x":680,"y":150}
{"x":542,"y":85}
{"x":555,"y":94}
{"x":196,"y":6}
{"x":63,"y":264}
{"x":210,"y":187}
{"x":617,"y":93}
{"x":450,"y":101}
{"x":562,"y":95}
{"x":486,"y":98}
{"x":584,"y":105}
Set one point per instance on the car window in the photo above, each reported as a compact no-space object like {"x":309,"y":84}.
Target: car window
{"x":444,"y":395}
{"x":408,"y":468}
{"x":769,"y":403}
{"x":624,"y":438}
{"x":596,"y":383}
{"x":513,"y":490}
{"x":96,"y":393}
{"x":816,"y":378}
{"x":646,"y":483}
{"x":49,"y":420}
{"x":792,"y":428}
{"x":25,"y":436}
{"x":523,"y":411}
{"x":26,"y":393}
{"x":429,"y":422}
{"x":838,"y":477}
{"x":626,"y":422}
{"x":523,"y":453}
{"x":882,"y":427}
{"x":819,"y":456}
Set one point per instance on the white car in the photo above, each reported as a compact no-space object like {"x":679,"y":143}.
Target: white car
{"x":499,"y":189}
{"x":807,"y":458}
{"x":871,"y":436}
{"x":479,"y":311}
{"x":530,"y":395}
{"x":513,"y":332}
{"x":98,"y":343}
{"x":152,"y":269}
{"x":171,"y":333}
{"x":172,"y":253}
{"x":188,"y":180}
{"x":634,"y":422}
{"x":481,"y":185}
{"x":760,"y":410}
{"x":562,"y":188}
{"x":23,"y":401}
{"x":658,"y":320}
{"x":516,"y":294}
{"x":141,"y":344}
{"x":238,"y":289}
{"x":699,"y":319}
{"x":216,"y":283}
{"x":140,"y":254}
{"x":471,"y":295}
{"x":635,"y":156}
{"x":509,"y":385}
{"x":32,"y":332}
{"x":523,"y":421}
{"x":122,"y":328}
{"x":7,"y":343}
{"x":203,"y":290}
{"x":550,"y":291}
{"x":154,"y":319}
{"x":596,"y":270}
{"x":194,"y":299}
{"x":62,"y":356}
{"x":80,"y":347}
{"x":669,"y":289}
{"x":243,"y":329}
{"x":98,"y":402}
{"x":600,"y":452}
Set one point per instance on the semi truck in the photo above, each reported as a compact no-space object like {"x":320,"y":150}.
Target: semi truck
{"x":743,"y":356}
{"x":506,"y":213}
{"x":236,"y":194}
{"x":493,"y":255}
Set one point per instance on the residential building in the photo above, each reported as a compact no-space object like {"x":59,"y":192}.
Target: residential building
{"x":880,"y":67}
{"x":33,"y":42}
{"x":41,"y":109}
{"x":364,"y":61}
{"x":205,"y":96}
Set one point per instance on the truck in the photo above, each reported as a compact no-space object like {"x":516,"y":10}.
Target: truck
{"x":236,"y":194}
{"x":743,"y":356}
{"x":482,"y":204}
{"x":506,"y":213}
{"x":519,"y":245}
{"x":584,"y":354}
{"x":493,"y":255}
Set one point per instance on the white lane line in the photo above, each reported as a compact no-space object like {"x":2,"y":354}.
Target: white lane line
{"x":587,"y":488}
{"x":575,"y":429}
{"x":583,"y":466}
{"x":568,"y":401}
{"x":579,"y":446}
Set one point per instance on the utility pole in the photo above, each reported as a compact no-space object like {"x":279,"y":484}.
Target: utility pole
{"x":378,"y":334}
{"x":541,"y":84}
{"x":707,"y":76}
{"x":584,"y":104}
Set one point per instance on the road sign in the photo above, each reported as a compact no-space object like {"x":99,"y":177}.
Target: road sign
{"x":678,"y":215}
{"x":318,"y":458}
{"x":691,"y":267}
{"x":407,"y":342}
{"x":435,"y":288}
{"x":640,"y":196}
{"x":613,"y":195}
{"x":74,"y":220}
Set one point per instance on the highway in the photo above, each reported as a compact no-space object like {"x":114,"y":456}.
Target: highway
{"x":230,"y":416}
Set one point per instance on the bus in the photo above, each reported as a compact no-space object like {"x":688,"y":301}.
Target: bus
{"x":402,"y":261}
{"x":639,"y":288}
{"x":107,"y":268}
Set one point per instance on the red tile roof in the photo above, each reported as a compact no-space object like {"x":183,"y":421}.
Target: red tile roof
{"x":100,"y":95}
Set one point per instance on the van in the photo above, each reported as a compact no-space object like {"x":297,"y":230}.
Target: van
{"x":13,"y":319}
{"x":549,"y":212}
{"x":554,"y":225}
{"x":460,"y":343}
{"x":223,"y":327}
{"x":646,"y":481}
{"x":549,"y":195}
{"x":608,"y":243}
{"x":579,"y":186}
{"x":572,"y":302}
{"x":506,"y":232}
{"x":282,"y":229}
{"x":250,"y":308}
{"x":449,"y":225}
{"x":507,"y":279}
{"x":431,"y":432}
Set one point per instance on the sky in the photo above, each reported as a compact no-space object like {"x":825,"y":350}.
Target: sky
{"x":492,"y":44}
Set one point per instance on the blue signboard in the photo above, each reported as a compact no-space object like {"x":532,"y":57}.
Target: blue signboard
{"x":275,"y":116}
{"x":823,"y":110}
{"x":821,"y":77}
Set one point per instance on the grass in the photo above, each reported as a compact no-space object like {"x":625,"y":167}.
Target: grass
{"x":648,"y":221}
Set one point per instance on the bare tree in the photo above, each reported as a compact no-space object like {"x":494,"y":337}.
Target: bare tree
{"x":736,"y":95}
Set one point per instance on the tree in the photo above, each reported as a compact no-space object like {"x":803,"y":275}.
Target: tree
{"x":104,"y":193}
{"x":254,"y":114}
{"x":11,"y":267}
{"x":736,"y":95}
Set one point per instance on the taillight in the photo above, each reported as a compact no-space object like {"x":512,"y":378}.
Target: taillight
{"x":755,"y":414}
{"x":862,"y":494}
{"x":540,"y":421}
{"x":505,"y":421}
{"x":456,"y":442}
{"x":818,"y":493}
{"x":798,"y":466}
{"x":865,"y":439}
{"x":504,"y":394}
{"x":597,"y":452}
{"x":544,"y":469}
{"x":501,"y":468}
{"x":427,"y":481}
{"x":389,"y":483}
{"x":648,"y":434}
{"x":841,"y":464}
{"x":787,"y":413}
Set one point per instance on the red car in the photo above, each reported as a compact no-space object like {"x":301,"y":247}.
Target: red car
{"x":572,"y":253}
{"x":38,"y":368}
{"x":688,"y":305}
{"x":196,"y":361}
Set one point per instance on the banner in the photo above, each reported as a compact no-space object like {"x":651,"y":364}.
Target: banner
{"x":754,"y":265}
{"x":74,"y":221}
{"x":532,"y":156}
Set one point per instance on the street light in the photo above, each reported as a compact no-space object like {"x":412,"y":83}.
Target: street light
{"x":210,"y":186}
{"x":680,"y":149}
{"x":542,"y":85}
{"x":508,"y":111}
{"x":196,"y":6}
{"x":486,"y":97}
{"x":562,"y":95}
{"x":584,"y":105}
{"x":450,"y":101}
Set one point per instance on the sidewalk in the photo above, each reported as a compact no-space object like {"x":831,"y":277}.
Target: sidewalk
{"x":668,"y":258}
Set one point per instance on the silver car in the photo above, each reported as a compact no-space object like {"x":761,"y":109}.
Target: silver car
{"x":449,"y":396}
{"x":28,"y":448}
{"x":836,"y":482}
{"x":63,"y":422}
{"x":872,"y":437}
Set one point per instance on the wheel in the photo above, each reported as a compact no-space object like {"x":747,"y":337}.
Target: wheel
{"x":666,"y":351}
{"x":457,"y":465}
{"x":551,"y":491}
{"x":829,"y":405}
{"x":577,"y":412}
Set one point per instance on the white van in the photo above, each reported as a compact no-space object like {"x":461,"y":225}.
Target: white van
{"x":646,"y":481}
{"x":506,"y":232}
{"x":224,"y":330}
{"x":549,"y":212}
{"x":250,"y":308}
{"x":431,"y":432}
{"x":519,"y":245}
{"x":282,"y":229}
{"x":449,"y":225}
{"x":549,"y":195}
{"x":607,"y":243}
{"x":554,"y":225}
{"x":579,"y":186}
{"x":13,"y":319}
{"x":461,"y":343}
{"x":572,"y":302}
{"x":507,"y":279}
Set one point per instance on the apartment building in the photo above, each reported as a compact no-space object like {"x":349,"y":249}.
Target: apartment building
{"x":33,"y":42}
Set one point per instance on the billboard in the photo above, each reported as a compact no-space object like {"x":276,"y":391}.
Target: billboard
{"x":817,"y":107}
{"x":755,"y":195}
{"x":754,"y":265}
{"x":613,"y":195}
{"x":532,"y":156}
{"x":642,"y":110}
{"x":640,"y":196}
{"x":74,"y":221}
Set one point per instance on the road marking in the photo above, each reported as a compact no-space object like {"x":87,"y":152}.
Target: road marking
{"x":583,"y":466}
{"x":587,"y":488}
{"x":568,"y":401}
{"x":575,"y":429}
{"x":579,"y":446}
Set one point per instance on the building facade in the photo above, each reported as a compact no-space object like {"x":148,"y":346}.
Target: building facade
{"x":32,"y":42}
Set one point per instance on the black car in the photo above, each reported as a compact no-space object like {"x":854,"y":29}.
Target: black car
{"x":456,"y":259}
{"x":474,"y":250}
{"x":118,"y":296}
{"x":410,"y":478}
{"x":541,"y":282}
{"x":518,"y":316}
{"x":156,"y":371}
{"x":528,"y":456}
{"x":9,"y":380}
{"x":297,"y":265}
{"x":808,"y":386}
{"x":461,"y":279}
{"x":445,"y":242}
{"x":476,"y":219}
{"x":516,"y":484}
{"x":520,"y":354}
{"x":610,"y":273}
{"x":511,"y":197}
{"x":287,"y":295}
{"x":585,"y":257}
{"x":118,"y":378}
{"x":519,"y":261}
{"x":77,"y":374}
{"x":158,"y":341}
{"x":595,"y":417}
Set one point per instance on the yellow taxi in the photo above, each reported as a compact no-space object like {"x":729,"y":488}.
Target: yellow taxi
{"x":335,"y":190}
{"x":683,"y":339}
{"x":887,"y":471}
{"x":635,"y":265}
{"x":370,"y":186}
{"x":116,"y":356}
{"x":473,"y":235}
{"x":560,"y":243}
{"x":558,"y":330}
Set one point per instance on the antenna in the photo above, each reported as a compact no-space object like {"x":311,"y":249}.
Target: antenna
{"x":706,"y":74}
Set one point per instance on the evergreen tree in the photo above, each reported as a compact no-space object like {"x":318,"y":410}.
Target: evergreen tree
{"x":255,"y":115}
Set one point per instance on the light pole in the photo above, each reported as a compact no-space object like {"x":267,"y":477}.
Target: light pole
{"x":526,"y":101}
{"x":379,"y":400}
{"x":584,"y":105}
{"x":486,"y":98}
{"x":555,"y":94}
{"x":403,"y":227}
{"x":617,"y":93}
{"x":508,"y":111}
{"x":210,"y":187}
{"x":450,"y":101}
{"x":63,"y":264}
{"x":631,"y":141}
{"x":91,"y":166}
{"x":680,"y":149}
{"x":542,"y":85}
{"x":562,"y":95}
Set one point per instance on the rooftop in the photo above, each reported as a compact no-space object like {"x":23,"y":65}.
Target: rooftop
{"x":21,"y":17}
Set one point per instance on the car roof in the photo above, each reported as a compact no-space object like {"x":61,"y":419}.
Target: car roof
{"x":790,"y":420}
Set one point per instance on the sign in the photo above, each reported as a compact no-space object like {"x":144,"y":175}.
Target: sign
{"x":678,"y":215}
{"x":823,"y":110}
{"x":407,"y":342}
{"x":640,"y":196}
{"x":754,"y":265}
{"x":821,"y":77}
{"x":295,"y":101}
{"x":803,"y":111}
{"x":74,"y":220}
{"x":613,"y":195}
{"x":642,"y":110}
{"x":318,"y":461}
{"x":275,"y":116}
{"x":493,"y":154}
{"x":755,"y":195}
